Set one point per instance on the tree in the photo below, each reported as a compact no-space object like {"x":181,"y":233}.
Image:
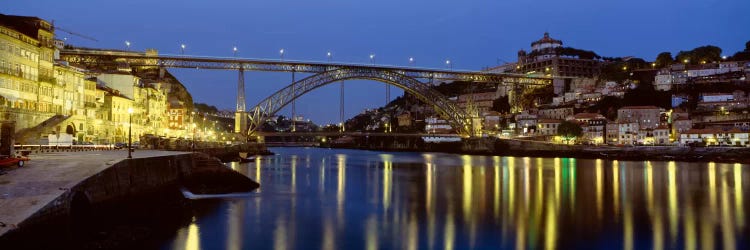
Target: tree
{"x":205,"y":108}
{"x":664,"y":59}
{"x":703,"y":54}
{"x":646,"y":95}
{"x":501,"y":105}
{"x":569,"y":130}
{"x":607,"y":106}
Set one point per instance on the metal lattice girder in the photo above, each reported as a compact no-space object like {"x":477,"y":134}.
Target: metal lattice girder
{"x":424,"y":92}
{"x":138,"y":59}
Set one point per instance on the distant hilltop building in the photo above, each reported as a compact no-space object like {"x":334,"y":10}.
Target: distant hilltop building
{"x":549,"y":57}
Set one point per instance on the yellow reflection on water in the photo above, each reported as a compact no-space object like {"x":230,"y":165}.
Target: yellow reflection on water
{"x":550,"y":238}
{"x":387,"y":174}
{"x":412,"y":233}
{"x":329,"y":241}
{"x":572,"y":181}
{"x":727,"y":221}
{"x":341,"y":187}
{"x":294,"y":173}
{"x":558,"y":183}
{"x":707,"y":218}
{"x":511,"y":186}
{"x":193,"y":237}
{"x":234,"y":230}
{"x":467,"y":181}
{"x":279,"y":234}
{"x":628,"y":227}
{"x":658,"y":229}
{"x":689,"y":226}
{"x":616,"y":189}
{"x":738,"y":206}
{"x":649,"y":187}
{"x":257,"y":173}
{"x":371,"y":233}
{"x":599,"y":188}
{"x":496,"y":194}
{"x":672,"y":202}
{"x":449,"y":230}
{"x":429,"y":199}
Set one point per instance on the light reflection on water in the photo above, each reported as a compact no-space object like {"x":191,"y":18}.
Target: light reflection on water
{"x":347,"y":199}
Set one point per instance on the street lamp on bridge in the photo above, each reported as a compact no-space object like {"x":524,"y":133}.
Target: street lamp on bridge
{"x":127,"y":45}
{"x":411,"y":61}
{"x":448,"y":63}
{"x":372,"y":59}
{"x":182,"y":48}
{"x":281,"y":53}
{"x":329,"y":55}
{"x":234,"y":51}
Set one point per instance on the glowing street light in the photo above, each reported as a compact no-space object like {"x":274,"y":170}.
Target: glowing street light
{"x":372,"y":59}
{"x":329,"y":55}
{"x":723,"y":57}
{"x":182,"y":48}
{"x":130,"y":128}
{"x":448,"y":63}
{"x":234,"y":51}
{"x":127,"y":44}
{"x":411,"y":61}
{"x":281,"y":54}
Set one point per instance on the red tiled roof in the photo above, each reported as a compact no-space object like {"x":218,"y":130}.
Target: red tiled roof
{"x":587,"y":116}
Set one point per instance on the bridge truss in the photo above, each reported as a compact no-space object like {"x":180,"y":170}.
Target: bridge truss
{"x":406,"y":78}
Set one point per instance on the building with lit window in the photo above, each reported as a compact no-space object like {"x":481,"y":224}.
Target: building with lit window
{"x":545,"y":58}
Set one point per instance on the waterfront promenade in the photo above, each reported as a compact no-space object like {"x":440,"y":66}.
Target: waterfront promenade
{"x":24,"y":191}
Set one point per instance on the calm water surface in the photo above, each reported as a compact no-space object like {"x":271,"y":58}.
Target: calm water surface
{"x":313,"y":198}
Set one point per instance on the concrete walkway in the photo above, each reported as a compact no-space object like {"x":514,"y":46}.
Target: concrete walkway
{"x":23,"y":191}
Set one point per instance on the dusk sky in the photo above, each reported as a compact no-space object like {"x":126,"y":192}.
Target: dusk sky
{"x":472,"y":34}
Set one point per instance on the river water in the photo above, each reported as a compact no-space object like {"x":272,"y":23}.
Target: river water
{"x":312,"y":198}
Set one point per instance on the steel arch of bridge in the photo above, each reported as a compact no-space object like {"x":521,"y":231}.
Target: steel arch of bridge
{"x":458,"y":119}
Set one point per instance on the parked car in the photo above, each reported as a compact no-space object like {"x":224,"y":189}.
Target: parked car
{"x":120,"y":145}
{"x":7,"y":161}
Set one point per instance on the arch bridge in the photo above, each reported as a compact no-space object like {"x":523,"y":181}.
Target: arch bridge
{"x":406,"y":78}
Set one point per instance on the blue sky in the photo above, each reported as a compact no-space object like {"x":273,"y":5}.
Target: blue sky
{"x":472,"y":34}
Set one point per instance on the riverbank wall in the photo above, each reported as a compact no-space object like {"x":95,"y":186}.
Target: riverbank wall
{"x":138,"y":181}
{"x":509,"y":147}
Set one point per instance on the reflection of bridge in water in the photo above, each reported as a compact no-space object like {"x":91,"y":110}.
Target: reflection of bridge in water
{"x":415,"y":81}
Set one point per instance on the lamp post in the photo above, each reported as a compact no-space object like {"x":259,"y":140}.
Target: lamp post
{"x":448,"y":63}
{"x":411,"y":61}
{"x":329,"y":55}
{"x":372,"y":59}
{"x":234,"y":51}
{"x":192,"y":146}
{"x":281,"y":54}
{"x":182,"y":49}
{"x":130,"y":128}
{"x":127,"y":45}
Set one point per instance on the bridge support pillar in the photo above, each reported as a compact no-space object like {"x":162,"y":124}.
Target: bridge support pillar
{"x":240,"y":122}
{"x":240,"y":116}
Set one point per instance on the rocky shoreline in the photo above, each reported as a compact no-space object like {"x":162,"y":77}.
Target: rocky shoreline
{"x":134,"y":220}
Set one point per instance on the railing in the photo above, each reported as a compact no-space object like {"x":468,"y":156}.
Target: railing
{"x":50,"y":148}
